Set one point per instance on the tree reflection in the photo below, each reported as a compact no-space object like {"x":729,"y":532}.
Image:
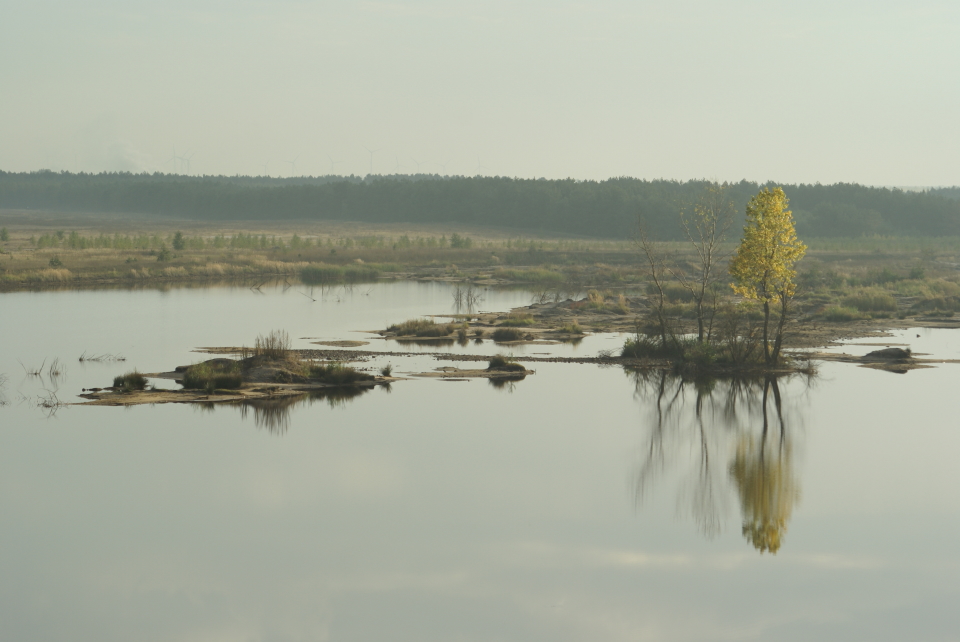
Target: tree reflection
{"x":273,"y":413}
{"x":717,"y":420}
{"x":763,"y":472}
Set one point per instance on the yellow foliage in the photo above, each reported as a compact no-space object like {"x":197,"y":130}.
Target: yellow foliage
{"x":763,"y":264}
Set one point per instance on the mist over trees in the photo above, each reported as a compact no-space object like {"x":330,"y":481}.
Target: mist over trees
{"x":584,"y":208}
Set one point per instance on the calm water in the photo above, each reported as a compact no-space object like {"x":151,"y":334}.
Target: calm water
{"x":582,"y":503}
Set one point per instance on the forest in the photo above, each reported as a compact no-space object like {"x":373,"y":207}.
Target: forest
{"x":601,"y":209}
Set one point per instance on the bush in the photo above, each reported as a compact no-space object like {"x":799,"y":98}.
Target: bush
{"x":507,"y":334}
{"x":518,"y":319}
{"x":386,"y":370}
{"x":338,"y":374}
{"x":871,"y":301}
{"x":573,"y":328}
{"x":130,"y":381}
{"x":213,"y":376}
{"x":275,"y":345}
{"x":55,"y":262}
{"x":841,"y":314}
{"x":4,"y":234}
{"x":500,"y":362}
{"x":421,"y":328}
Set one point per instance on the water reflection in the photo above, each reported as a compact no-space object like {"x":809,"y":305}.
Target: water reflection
{"x":741,"y":422}
{"x":273,"y":413}
{"x":506,"y":384}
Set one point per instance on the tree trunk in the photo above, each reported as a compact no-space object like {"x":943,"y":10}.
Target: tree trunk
{"x":700,"y":319}
{"x":766,"y":327}
{"x":778,"y":341}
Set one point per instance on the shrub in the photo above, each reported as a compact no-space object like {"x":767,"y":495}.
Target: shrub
{"x":840,"y":313}
{"x":55,"y":262}
{"x":386,"y":370}
{"x":130,"y":381}
{"x":507,"y":334}
{"x":338,"y":374}
{"x":938,"y":303}
{"x":572,"y":328}
{"x":518,"y":319}
{"x":4,"y":234}
{"x":275,"y":345}
{"x":421,"y":328}
{"x":871,"y":301}
{"x":500,"y":362}
{"x":211,"y":376}
{"x":622,"y":306}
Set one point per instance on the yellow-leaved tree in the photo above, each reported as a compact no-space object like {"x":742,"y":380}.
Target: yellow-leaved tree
{"x":762,"y":266}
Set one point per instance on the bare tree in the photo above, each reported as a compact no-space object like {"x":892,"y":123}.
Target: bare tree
{"x":656,"y":263}
{"x":705,"y":227}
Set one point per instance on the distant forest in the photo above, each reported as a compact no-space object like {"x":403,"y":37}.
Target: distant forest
{"x":531,"y":206}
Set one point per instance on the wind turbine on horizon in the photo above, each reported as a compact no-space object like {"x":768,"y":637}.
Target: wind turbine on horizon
{"x":293,"y":165}
{"x":333,"y":163}
{"x":371,"y":156}
{"x":481,"y":166}
{"x":174,"y":159}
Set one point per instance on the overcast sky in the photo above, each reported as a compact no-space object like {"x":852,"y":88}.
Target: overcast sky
{"x":787,"y":91}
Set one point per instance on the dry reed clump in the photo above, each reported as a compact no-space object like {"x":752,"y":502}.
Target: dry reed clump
{"x":212,"y":269}
{"x":421,"y":328}
{"x":54,"y":274}
{"x":175,"y":272}
{"x":274,"y":345}
{"x":572,"y":328}
{"x":278,"y":267}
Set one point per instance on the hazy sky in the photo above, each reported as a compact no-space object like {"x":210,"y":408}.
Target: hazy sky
{"x":788,"y":91}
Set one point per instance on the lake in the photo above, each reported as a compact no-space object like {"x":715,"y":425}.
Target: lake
{"x":582,"y":503}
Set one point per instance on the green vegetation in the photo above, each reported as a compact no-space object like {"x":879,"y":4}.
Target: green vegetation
{"x":572,"y":328}
{"x":213,"y":375}
{"x":130,"y":381}
{"x":763,"y":265}
{"x":322,"y":273}
{"x":337,"y":374}
{"x":589,"y":208}
{"x":501,"y":335}
{"x":841,"y":314}
{"x":518,"y":319}
{"x":870,"y":300}
{"x":500,"y":362}
{"x":422,"y":328}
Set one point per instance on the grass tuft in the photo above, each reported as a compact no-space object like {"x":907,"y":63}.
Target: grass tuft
{"x":130,"y":381}
{"x":338,"y":374}
{"x":212,"y":376}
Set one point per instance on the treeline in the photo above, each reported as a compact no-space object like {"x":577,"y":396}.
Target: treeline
{"x":565,"y":207}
